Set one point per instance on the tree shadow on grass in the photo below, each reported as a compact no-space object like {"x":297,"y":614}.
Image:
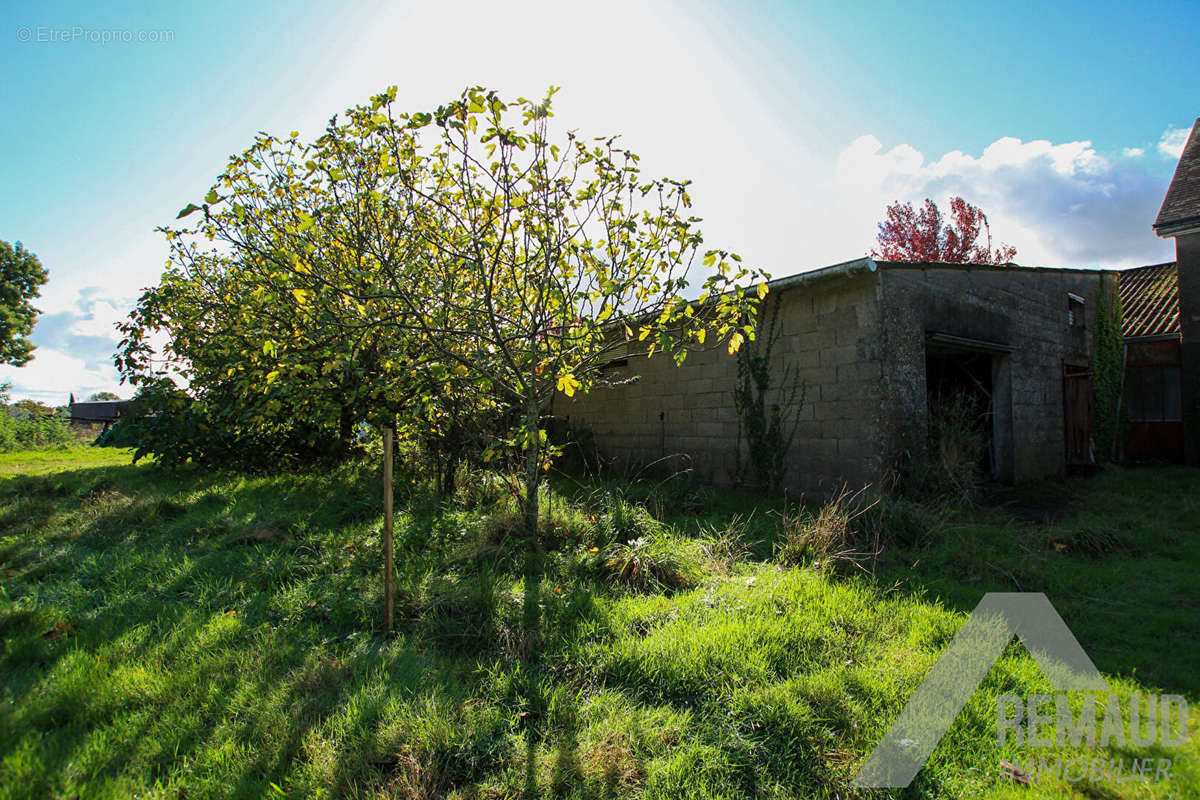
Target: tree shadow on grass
{"x":134,"y":601}
{"x":156,"y":634}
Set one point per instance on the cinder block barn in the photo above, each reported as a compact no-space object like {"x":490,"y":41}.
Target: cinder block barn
{"x":876,"y":344}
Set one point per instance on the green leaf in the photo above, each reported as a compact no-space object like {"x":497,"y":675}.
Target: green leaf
{"x":188,"y":209}
{"x":212,"y":196}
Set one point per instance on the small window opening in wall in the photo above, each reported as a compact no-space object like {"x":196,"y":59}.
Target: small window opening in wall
{"x":1075,"y":311}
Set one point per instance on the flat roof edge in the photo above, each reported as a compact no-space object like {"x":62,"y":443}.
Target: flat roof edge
{"x":970,"y":267}
{"x":844,"y":269}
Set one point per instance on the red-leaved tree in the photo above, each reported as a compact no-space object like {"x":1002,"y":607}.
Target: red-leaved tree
{"x":911,"y":235}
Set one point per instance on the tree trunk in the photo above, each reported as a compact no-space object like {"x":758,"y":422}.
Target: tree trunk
{"x":389,"y":590}
{"x":341,"y":447}
{"x":532,"y":448}
{"x":449,"y":474}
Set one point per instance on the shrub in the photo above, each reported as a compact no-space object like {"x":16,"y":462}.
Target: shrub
{"x":623,"y":520}
{"x":655,"y":563}
{"x":22,"y":430}
{"x":176,"y":428}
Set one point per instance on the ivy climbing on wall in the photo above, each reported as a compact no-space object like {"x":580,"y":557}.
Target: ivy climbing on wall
{"x":1108,"y":372}
{"x":768,"y":403}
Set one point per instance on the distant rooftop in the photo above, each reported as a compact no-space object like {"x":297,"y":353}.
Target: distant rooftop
{"x":98,"y":410}
{"x":1150,"y":300}
{"x":1181,"y":207}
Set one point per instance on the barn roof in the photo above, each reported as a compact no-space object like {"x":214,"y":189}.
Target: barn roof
{"x":1150,"y":300}
{"x":98,"y":410}
{"x":1181,"y":207}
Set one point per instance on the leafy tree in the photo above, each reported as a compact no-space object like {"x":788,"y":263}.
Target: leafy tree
{"x":21,"y":279}
{"x":499,"y":262}
{"x":101,"y":396}
{"x":266,"y":385}
{"x":34,"y":408}
{"x":910,"y":235}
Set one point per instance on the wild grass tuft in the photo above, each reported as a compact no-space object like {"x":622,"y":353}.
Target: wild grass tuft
{"x":657,"y":562}
{"x":832,"y":534}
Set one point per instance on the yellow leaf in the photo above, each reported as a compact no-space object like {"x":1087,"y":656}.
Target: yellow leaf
{"x":735,"y":343}
{"x":701,"y":334}
{"x":567,"y":384}
{"x":762,"y":290}
{"x":301,"y":296}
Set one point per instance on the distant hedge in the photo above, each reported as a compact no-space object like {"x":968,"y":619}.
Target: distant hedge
{"x":20,"y":430}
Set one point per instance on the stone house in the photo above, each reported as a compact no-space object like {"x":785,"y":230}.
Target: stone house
{"x":876,"y":344}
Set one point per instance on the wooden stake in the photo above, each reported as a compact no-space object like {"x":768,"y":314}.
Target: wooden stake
{"x":388,"y":578}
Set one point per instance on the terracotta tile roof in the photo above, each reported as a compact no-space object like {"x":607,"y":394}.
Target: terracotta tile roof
{"x":1182,"y":203}
{"x":1150,"y":300}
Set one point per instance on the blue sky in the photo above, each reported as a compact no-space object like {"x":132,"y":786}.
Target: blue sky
{"x":797,"y":121}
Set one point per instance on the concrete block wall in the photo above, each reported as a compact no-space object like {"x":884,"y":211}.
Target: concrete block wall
{"x":685,"y":415}
{"x":1024,"y":308}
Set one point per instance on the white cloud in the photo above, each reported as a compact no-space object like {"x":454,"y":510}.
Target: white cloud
{"x":100,"y":320}
{"x":75,"y":348}
{"x":1172,"y":142}
{"x":1133,"y":152}
{"x":53,"y":375}
{"x":1058,"y":204}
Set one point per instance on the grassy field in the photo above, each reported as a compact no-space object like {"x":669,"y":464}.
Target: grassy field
{"x":187,"y":634}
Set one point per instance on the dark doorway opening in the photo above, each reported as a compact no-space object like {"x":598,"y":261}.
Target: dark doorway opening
{"x":959,"y":389}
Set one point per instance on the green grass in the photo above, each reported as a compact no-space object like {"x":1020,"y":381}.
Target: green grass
{"x":194,"y":634}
